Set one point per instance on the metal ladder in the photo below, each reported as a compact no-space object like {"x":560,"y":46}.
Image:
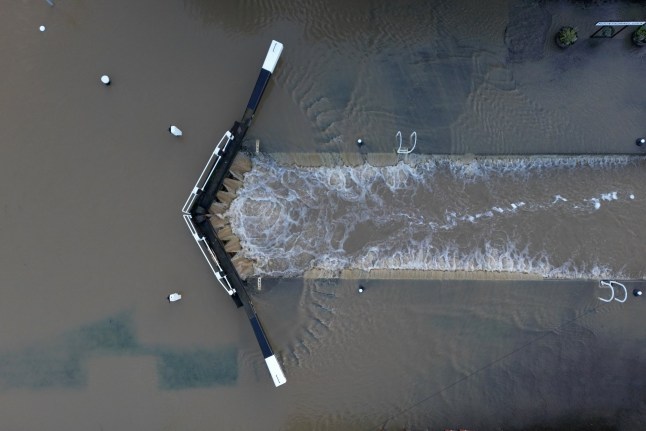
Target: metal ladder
{"x":412,"y":142}
{"x":611,"y":284}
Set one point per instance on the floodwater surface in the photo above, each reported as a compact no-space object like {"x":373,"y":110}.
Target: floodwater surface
{"x":92,"y":242}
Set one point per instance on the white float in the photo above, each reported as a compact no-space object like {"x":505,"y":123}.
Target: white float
{"x":174,"y":297}
{"x":175,"y":131}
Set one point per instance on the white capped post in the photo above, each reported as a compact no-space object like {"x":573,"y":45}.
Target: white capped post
{"x":276,"y":372}
{"x":275,"y":49}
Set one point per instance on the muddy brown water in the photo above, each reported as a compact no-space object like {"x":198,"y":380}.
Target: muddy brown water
{"x":92,"y":240}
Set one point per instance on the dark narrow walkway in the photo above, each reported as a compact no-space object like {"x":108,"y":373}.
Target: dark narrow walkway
{"x":203,"y":195}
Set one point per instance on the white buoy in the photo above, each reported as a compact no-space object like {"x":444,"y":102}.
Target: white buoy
{"x":105,"y":79}
{"x":360,"y":289}
{"x":41,"y":28}
{"x":175,"y":131}
{"x":174,"y":297}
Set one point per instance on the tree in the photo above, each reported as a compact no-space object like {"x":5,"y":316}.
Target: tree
{"x":639,"y":36}
{"x":566,"y":37}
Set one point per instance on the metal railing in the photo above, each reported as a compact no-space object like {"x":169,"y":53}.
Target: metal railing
{"x":412,"y":142}
{"x":209,"y":256}
{"x":210,"y":166}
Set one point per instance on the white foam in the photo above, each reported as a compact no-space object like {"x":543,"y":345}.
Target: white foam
{"x":483,"y":168}
{"x":291,"y":219}
{"x":607,"y":197}
{"x":596,"y":203}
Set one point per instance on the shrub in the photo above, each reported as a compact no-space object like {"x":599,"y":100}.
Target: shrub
{"x":566,"y":37}
{"x":639,"y":36}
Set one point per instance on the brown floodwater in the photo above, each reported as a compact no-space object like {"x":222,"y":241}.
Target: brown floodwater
{"x":92,"y":240}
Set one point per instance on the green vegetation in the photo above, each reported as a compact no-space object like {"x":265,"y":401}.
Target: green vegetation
{"x":639,"y":36}
{"x":566,"y":37}
{"x":607,"y":31}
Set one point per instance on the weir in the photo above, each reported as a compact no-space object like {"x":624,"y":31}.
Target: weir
{"x":196,"y":212}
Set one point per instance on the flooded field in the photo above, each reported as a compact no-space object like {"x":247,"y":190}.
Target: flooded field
{"x":92,"y":240}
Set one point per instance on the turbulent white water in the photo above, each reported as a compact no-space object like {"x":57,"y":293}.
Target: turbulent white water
{"x":553,"y":216}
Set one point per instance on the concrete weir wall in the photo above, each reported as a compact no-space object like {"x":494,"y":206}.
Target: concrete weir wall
{"x":312,"y":160}
{"x":241,"y":165}
{"x":413,"y":274}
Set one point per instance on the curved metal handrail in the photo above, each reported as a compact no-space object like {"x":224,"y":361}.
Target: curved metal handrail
{"x":412,"y":142}
{"x":625,"y":291}
{"x":611,"y":284}
{"x":604,"y":283}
